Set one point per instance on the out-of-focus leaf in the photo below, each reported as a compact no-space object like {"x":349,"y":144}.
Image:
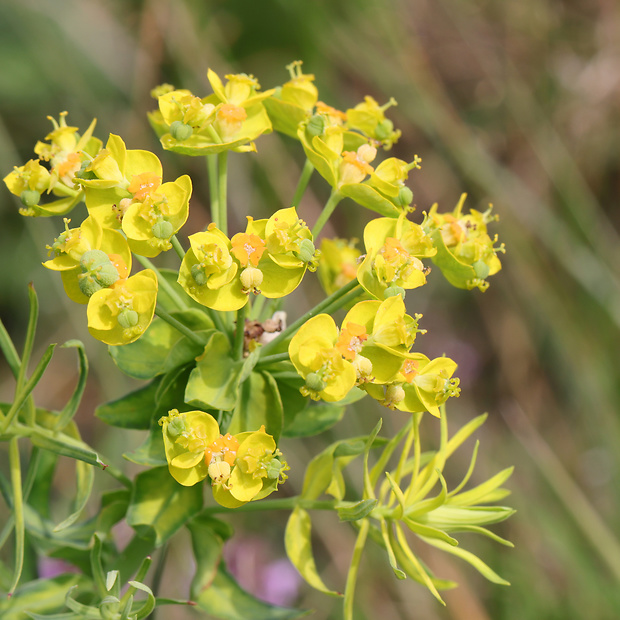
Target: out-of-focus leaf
{"x":314,"y":420}
{"x":226,"y":600}
{"x":258,"y":403}
{"x":358,"y":510}
{"x":134,"y":410}
{"x":161,"y":348}
{"x":160,"y":503}
{"x":40,"y":596}
{"x":214,"y":383}
{"x":207,"y":546}
{"x":298,"y":544}
{"x":151,"y":451}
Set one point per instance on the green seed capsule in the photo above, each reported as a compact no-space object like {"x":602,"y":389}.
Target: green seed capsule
{"x":92,"y":259}
{"x":316,"y":125}
{"x":306,"y":251}
{"x":127,"y":318}
{"x":30,"y":198}
{"x":88,"y":285}
{"x":314,"y":382}
{"x":481,"y":268}
{"x":162,"y":229}
{"x":384,"y":129}
{"x":405,"y":197}
{"x":180,"y":131}
{"x":393,"y":290}
{"x":274,"y":468}
{"x":199,"y":275}
{"x":176,"y":426}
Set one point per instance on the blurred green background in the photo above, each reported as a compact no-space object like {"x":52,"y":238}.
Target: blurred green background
{"x":517,"y":104}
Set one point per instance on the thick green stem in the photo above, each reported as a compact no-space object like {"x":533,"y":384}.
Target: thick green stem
{"x":178,"y":248}
{"x":165,"y":285}
{"x":287,"y":503}
{"x":213,"y":195}
{"x":332,"y":303}
{"x":334,"y":198}
{"x":273,"y":359}
{"x":186,"y":331}
{"x":222,"y":160}
{"x":306,"y":173}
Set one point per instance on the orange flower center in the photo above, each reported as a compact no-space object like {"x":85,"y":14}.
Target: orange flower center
{"x":143,"y":184}
{"x":224,"y":448}
{"x":409,"y":370}
{"x":247,"y":248}
{"x":230,"y":113}
{"x":351,"y":340}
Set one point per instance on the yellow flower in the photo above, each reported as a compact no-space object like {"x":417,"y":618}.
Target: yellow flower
{"x":369,"y":118}
{"x":120,"y":314}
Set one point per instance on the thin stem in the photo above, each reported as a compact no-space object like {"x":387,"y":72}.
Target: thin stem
{"x":273,"y":359}
{"x":239,"y":340}
{"x":213,"y":196}
{"x":334,"y":198}
{"x":222,"y":160}
{"x":349,"y":589}
{"x":287,"y":503}
{"x":18,"y":511}
{"x":306,"y":173}
{"x":333,"y":302}
{"x":186,"y":331}
{"x":165,"y":285}
{"x":178,"y":248}
{"x":257,"y":307}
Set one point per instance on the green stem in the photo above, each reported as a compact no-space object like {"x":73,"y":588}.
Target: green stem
{"x":349,"y":589}
{"x":28,"y":345}
{"x":306,"y":173}
{"x":239,"y":340}
{"x":213,"y":196}
{"x":186,"y":331}
{"x":287,"y":503}
{"x":257,"y":307}
{"x":334,"y":198}
{"x":178,"y":248}
{"x":222,"y":160}
{"x":18,"y":511}
{"x":165,"y":285}
{"x":273,"y":359}
{"x":332,"y":303}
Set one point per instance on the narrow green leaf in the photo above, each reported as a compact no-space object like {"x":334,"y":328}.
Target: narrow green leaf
{"x":8,"y":349}
{"x":85,"y":477}
{"x":469,"y":557}
{"x":379,"y":467}
{"x":70,"y":409}
{"x":357,"y":511}
{"x":41,"y":596}
{"x":96,"y":567}
{"x":148,"y":605}
{"x":429,"y":532}
{"x":349,"y":590}
{"x":62,"y":444}
{"x":151,"y":451}
{"x":226,"y":600}
{"x":387,"y":543}
{"x":475,"y":529}
{"x":468,"y":473}
{"x":368,"y":486}
{"x":298,"y":544}
{"x":463,"y":433}
{"x":480,"y":493}
{"x":430,"y":504}
{"x":450,"y":517}
{"x":160,"y":503}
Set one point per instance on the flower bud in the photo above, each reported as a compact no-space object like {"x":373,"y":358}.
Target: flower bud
{"x":314,"y":382}
{"x":127,"y":318}
{"x":251,"y":278}
{"x":393,"y":290}
{"x":162,"y":229}
{"x":394,"y":395}
{"x":316,"y":125}
{"x":30,"y":198}
{"x":274,"y":468}
{"x":363,"y":367}
{"x":405,"y":197}
{"x":219,"y":471}
{"x":306,"y":251}
{"x":180,"y":131}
